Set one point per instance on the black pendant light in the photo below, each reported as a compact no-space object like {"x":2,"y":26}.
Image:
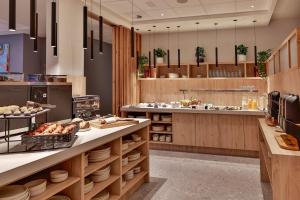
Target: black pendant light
{"x":137,"y":54}
{"x":255,"y":48}
{"x":168,"y":51}
{"x":132,"y":31}
{"x":35,"y":45}
{"x":100,"y":30}
{"x":12,"y":15}
{"x":235,"y":45}
{"x":149,"y":46}
{"x":85,"y":26}
{"x":216,"y":49}
{"x":56,"y":45}
{"x":178,"y":45}
{"x":198,"y":59}
{"x":53,"y":22}
{"x":154,"y":50}
{"x":92,"y":34}
{"x":32,"y":19}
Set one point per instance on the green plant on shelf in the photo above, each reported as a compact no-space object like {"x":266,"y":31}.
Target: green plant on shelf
{"x":242,"y":50}
{"x":262,"y":57}
{"x":142,"y":61}
{"x":160,"y":53}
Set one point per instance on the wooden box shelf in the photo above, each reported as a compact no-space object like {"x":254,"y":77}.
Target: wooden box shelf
{"x":161,"y":132}
{"x":92,"y":167}
{"x":134,"y":146}
{"x":134,"y":181}
{"x":132,"y":164}
{"x":54,"y":188}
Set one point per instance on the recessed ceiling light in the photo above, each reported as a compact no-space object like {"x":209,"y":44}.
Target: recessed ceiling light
{"x":162,"y":14}
{"x":252,"y":6}
{"x":182,"y":1}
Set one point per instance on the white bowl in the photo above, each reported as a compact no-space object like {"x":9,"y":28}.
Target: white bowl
{"x":173,"y":75}
{"x":158,"y":128}
{"x":57,"y":174}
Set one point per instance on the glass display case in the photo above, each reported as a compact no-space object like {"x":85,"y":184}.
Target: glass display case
{"x":86,"y":107}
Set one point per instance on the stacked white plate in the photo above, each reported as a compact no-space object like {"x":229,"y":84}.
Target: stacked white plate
{"x":14,"y":192}
{"x":129,"y":142}
{"x":136,"y":138}
{"x":124,"y":161}
{"x":137,"y":170}
{"x":129,"y":175}
{"x":166,"y":118}
{"x":134,"y":155}
{"x":100,"y":154}
{"x":58,"y":176}
{"x":104,"y":195}
{"x":36,"y":187}
{"x":59,"y":197}
{"x":88,"y":185}
{"x":101,"y":175}
{"x":158,"y":127}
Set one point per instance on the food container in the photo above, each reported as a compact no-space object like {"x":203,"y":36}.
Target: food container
{"x":155,"y":117}
{"x":166,"y":118}
{"x":173,"y":75}
{"x":155,"y":137}
{"x":169,"y":138}
{"x":162,"y":138}
{"x":136,"y":138}
{"x":158,"y":128}
{"x":169,"y":128}
{"x":36,"y":187}
{"x":58,"y":176}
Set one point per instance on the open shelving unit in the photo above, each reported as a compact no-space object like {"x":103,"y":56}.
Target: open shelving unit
{"x":78,"y":171}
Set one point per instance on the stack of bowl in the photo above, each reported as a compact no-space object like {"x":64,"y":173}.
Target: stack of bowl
{"x":158,"y":128}
{"x":125,"y":146}
{"x":86,"y":160}
{"x":36,"y":187}
{"x":136,"y":138}
{"x":59,"y":197}
{"x":14,"y":192}
{"x":137,"y":170}
{"x":100,"y":154}
{"x":88,"y":185}
{"x":166,"y":118}
{"x":124,"y":161}
{"x":134,"y":155}
{"x":104,"y":195}
{"x":58,"y":176}
{"x":101,"y":175}
{"x":129,"y":175}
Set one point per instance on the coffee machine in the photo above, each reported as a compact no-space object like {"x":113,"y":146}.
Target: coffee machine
{"x":273,"y":104}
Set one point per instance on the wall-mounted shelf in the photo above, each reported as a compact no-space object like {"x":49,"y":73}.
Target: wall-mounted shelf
{"x":228,"y":90}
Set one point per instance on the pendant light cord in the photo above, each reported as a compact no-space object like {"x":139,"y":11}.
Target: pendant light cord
{"x":91,"y":17}
{"x":149,"y":40}
{"x":100,"y":7}
{"x":197,"y":34}
{"x":178,"y":45}
{"x":132,"y":12}
{"x":168,"y":37}
{"x":154,"y":31}
{"x":216,"y":24}
{"x":254,"y":31}
{"x":235,"y":21}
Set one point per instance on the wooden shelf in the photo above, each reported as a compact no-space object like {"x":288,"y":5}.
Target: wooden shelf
{"x":162,"y":132}
{"x":92,"y":167}
{"x":114,"y":197}
{"x":154,"y":142}
{"x":134,"y":181}
{"x":160,"y":122}
{"x":98,"y":187}
{"x":132,"y":164}
{"x":136,"y":145}
{"x":54,"y":188}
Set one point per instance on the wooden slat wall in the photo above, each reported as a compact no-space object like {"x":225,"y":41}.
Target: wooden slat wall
{"x":125,"y":84}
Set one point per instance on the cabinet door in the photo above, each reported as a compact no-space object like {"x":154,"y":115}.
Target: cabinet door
{"x":231,"y":132}
{"x":184,"y":129}
{"x":251,"y":131}
{"x":207,"y":131}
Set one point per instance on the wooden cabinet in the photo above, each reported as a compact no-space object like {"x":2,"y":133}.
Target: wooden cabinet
{"x":251,"y":132}
{"x":184,"y":129}
{"x":220,"y":131}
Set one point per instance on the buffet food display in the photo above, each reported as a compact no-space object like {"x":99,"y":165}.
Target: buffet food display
{"x":29,"y":109}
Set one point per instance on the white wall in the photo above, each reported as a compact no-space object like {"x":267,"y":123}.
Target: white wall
{"x":70,"y":59}
{"x":267,"y":37}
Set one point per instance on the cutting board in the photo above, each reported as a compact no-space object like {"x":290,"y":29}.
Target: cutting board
{"x":97,"y":124}
{"x":287,"y":142}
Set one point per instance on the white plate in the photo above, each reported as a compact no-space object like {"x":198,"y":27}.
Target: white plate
{"x":85,"y":129}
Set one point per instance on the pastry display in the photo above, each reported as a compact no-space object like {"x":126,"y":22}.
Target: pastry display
{"x":52,"y":129}
{"x":30,"y":108}
{"x":84,"y":125}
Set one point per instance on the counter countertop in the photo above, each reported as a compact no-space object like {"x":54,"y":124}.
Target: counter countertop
{"x":33,"y":83}
{"x":130,"y":108}
{"x":21,"y":165}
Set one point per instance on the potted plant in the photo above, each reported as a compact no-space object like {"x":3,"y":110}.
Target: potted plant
{"x":142,"y":61}
{"x":200,"y":54}
{"x":160,"y":53}
{"x":242,"y":51}
{"x":262,"y":57}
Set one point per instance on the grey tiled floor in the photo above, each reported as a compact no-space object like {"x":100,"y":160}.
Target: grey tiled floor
{"x":187,"y":176}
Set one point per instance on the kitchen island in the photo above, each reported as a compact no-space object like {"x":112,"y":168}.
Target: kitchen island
{"x":225,"y":132}
{"x":23,"y":167}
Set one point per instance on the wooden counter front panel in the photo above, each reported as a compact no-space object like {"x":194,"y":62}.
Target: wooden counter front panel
{"x":184,"y":129}
{"x":251,"y":132}
{"x":220,"y":131}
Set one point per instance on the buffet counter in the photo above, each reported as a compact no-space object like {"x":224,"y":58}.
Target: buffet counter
{"x":226,"y":132}
{"x":16,"y":167}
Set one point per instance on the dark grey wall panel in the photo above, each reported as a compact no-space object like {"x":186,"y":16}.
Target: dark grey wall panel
{"x":98,"y":74}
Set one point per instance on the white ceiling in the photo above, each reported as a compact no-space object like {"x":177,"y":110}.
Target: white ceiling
{"x":207,"y":12}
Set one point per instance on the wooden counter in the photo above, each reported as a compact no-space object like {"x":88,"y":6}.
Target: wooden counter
{"x":205,"y":131}
{"x":27,"y":166}
{"x":278,"y":166}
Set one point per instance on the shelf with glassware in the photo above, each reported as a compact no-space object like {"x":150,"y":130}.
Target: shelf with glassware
{"x":204,"y":70}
